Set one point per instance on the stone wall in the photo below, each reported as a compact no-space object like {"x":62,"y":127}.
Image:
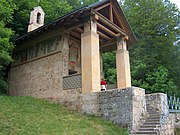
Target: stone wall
{"x":157,"y":101}
{"x":39,"y":78}
{"x":123,"y":107}
{"x":175,"y":116}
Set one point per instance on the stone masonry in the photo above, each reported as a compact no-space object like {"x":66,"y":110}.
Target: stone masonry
{"x":123,"y":107}
{"x":158,"y":102}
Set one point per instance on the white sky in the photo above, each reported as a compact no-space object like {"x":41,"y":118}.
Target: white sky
{"x":177,"y":2}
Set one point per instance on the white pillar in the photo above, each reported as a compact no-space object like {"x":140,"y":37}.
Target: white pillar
{"x":90,"y":58}
{"x":122,"y":64}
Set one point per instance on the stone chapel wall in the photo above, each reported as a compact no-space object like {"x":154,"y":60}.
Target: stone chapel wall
{"x":41,"y":75}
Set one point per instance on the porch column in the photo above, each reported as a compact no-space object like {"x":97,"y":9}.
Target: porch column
{"x":90,"y":60}
{"x":122,"y":64}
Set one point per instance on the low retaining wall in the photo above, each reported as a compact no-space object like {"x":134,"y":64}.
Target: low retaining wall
{"x":123,"y":107}
{"x":157,"y":101}
{"x":175,"y":117}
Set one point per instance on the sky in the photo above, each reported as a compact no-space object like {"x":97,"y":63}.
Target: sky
{"x":176,"y":2}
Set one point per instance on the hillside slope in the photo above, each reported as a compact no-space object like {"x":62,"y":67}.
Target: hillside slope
{"x":30,"y":116}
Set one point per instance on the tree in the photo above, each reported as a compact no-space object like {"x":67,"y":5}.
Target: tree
{"x":53,"y":9}
{"x":155,"y":24}
{"x":79,"y":3}
{"x":7,"y":8}
{"x":109,"y":67}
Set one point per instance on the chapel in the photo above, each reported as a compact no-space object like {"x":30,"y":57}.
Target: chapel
{"x":66,"y":54}
{"x":62,"y":62}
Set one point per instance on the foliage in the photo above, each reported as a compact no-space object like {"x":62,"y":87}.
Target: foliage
{"x":79,"y":3}
{"x":155,"y":81}
{"x":155,"y":59}
{"x":53,"y":9}
{"x":109,"y":67}
{"x":177,"y":131}
{"x":6,"y":47}
{"x":30,"y":116}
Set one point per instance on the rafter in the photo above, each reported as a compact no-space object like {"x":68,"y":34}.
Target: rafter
{"x":111,"y":13}
{"x":75,"y":34}
{"x":75,"y":26}
{"x":101,"y":7}
{"x":75,"y":39}
{"x":107,"y":22}
{"x":117,"y":16}
{"x":79,"y":30}
{"x":106,"y":29}
{"x":103,"y":35}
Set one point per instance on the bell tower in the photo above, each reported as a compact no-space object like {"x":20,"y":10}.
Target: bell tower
{"x":36,"y":18}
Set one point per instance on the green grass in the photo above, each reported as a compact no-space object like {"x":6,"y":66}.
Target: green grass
{"x":30,"y":116}
{"x":177,"y":131}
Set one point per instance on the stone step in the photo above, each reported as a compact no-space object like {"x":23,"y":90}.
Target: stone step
{"x":147,"y":129}
{"x":142,"y":134}
{"x":152,"y":113}
{"x":153,"y":117}
{"x":146,"y":132}
{"x":150,"y":126}
{"x":151,"y":123}
{"x":152,"y":120}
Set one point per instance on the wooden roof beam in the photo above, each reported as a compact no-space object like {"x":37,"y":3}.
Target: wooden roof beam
{"x":74,"y":27}
{"x":119,"y":17}
{"x":106,"y":29}
{"x":111,"y":13}
{"x":75,"y":39}
{"x":101,"y":7}
{"x":103,"y":35}
{"x":79,"y":30}
{"x":75,"y":34}
{"x":107,"y":22}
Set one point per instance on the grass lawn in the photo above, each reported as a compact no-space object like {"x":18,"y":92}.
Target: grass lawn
{"x":30,"y":116}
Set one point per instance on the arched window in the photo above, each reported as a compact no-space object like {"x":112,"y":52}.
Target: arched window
{"x":38,"y":18}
